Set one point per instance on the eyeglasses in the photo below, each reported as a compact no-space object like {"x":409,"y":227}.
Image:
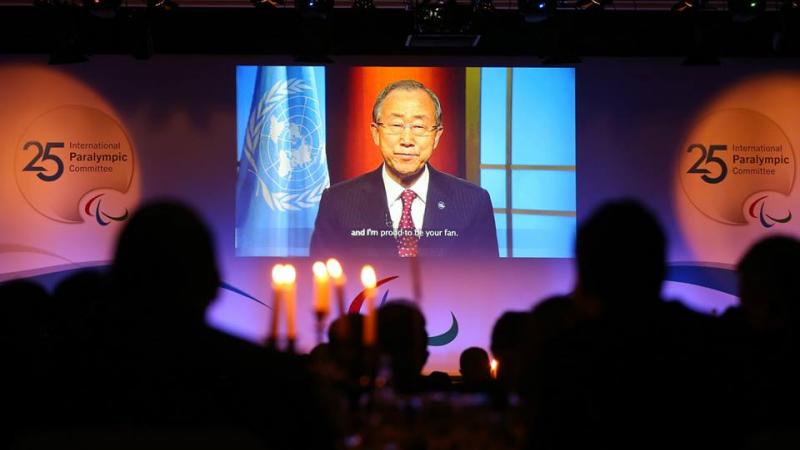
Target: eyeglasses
{"x":418,"y":130}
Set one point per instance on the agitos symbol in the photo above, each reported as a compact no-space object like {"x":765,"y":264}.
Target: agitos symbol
{"x":766,"y":220}
{"x":355,"y":307}
{"x":100,"y":215}
{"x":435,"y":341}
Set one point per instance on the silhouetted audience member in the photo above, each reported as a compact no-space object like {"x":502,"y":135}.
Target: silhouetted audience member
{"x":508,"y":340}
{"x":475,"y":370}
{"x":403,"y":342}
{"x":612,"y":365}
{"x":625,"y":376}
{"x":82,"y":344}
{"x":81,"y":304}
{"x":23,"y":323}
{"x":173,"y":369}
{"x":769,"y":285}
{"x":27,"y":375}
{"x":762,"y":340}
{"x":320,"y":361}
{"x":438,"y":381}
{"x":346,"y":340}
{"x":550,"y":320}
{"x":620,"y":251}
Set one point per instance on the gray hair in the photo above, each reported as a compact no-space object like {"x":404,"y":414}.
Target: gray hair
{"x":406,"y":85}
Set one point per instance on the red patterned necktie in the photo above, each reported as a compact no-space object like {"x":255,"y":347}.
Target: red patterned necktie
{"x":406,"y":240}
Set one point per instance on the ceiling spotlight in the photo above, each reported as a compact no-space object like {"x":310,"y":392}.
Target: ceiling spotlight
{"x":106,"y":9}
{"x":592,"y":5}
{"x":439,"y":16}
{"x":267,"y":3}
{"x":363,"y":4}
{"x":162,"y":5}
{"x":790,"y":5}
{"x":482,"y":6}
{"x":688,"y":5}
{"x":536,"y":10}
{"x":432,"y":16}
{"x":445,"y":23}
{"x":746,"y":10}
{"x":65,"y":34}
{"x":322,"y":7}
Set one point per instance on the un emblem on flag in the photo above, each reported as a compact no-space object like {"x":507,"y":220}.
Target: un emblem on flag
{"x":285,"y":146}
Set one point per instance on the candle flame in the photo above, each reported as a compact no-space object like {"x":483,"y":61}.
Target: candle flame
{"x":334,"y":268}
{"x":493,"y":367}
{"x":277,"y":273}
{"x":320,"y":271}
{"x":289,"y":274}
{"x":368,"y":278}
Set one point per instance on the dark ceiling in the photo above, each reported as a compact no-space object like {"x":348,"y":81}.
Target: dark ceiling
{"x":236,"y":27}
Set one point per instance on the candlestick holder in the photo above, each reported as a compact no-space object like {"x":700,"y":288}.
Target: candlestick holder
{"x":340,"y":299}
{"x":320,"y":323}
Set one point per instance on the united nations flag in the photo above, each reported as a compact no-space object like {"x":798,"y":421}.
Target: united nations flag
{"x":283,"y":167}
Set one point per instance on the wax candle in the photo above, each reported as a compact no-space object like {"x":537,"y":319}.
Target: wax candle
{"x":335,"y":271}
{"x":368,"y":279}
{"x":277,"y":291}
{"x":290,"y":290}
{"x":322,"y":294}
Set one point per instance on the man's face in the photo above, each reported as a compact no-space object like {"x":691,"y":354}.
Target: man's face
{"x":405,"y":153}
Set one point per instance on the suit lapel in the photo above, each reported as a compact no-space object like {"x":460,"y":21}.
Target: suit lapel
{"x":374,"y":196}
{"x":375,"y":200}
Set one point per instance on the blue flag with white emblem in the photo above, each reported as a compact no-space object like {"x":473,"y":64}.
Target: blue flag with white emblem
{"x":283,"y":167}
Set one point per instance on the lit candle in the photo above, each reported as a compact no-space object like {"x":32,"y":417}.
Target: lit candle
{"x":493,"y":368}
{"x":277,"y":288}
{"x":335,"y":271}
{"x":322,"y":294}
{"x":289,"y":286}
{"x":368,"y":279}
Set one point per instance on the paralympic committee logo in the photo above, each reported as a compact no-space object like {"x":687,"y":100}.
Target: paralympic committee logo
{"x":285,"y":146}
{"x":436,"y":340}
{"x":356,"y":304}
{"x":71,"y":156}
{"x":738,"y":167}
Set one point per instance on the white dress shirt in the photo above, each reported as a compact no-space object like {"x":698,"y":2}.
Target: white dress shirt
{"x":393,"y":192}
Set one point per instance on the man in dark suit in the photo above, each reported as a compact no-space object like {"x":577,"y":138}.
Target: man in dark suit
{"x":405,"y":207}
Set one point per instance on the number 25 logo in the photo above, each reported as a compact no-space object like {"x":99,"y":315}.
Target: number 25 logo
{"x":43,"y":154}
{"x":707,"y":157}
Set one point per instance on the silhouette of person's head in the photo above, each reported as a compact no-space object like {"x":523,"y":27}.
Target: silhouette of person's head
{"x":548,"y":324}
{"x":403,"y":340}
{"x":320,"y":361}
{"x":549,"y":319}
{"x":439,"y":381}
{"x":346,"y":345}
{"x":621,"y":255}
{"x":769,"y":286}
{"x":507,"y":340}
{"x":474,"y":366}
{"x":165,"y":262}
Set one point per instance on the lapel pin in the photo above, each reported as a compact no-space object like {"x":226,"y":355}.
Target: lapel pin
{"x":440,"y":205}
